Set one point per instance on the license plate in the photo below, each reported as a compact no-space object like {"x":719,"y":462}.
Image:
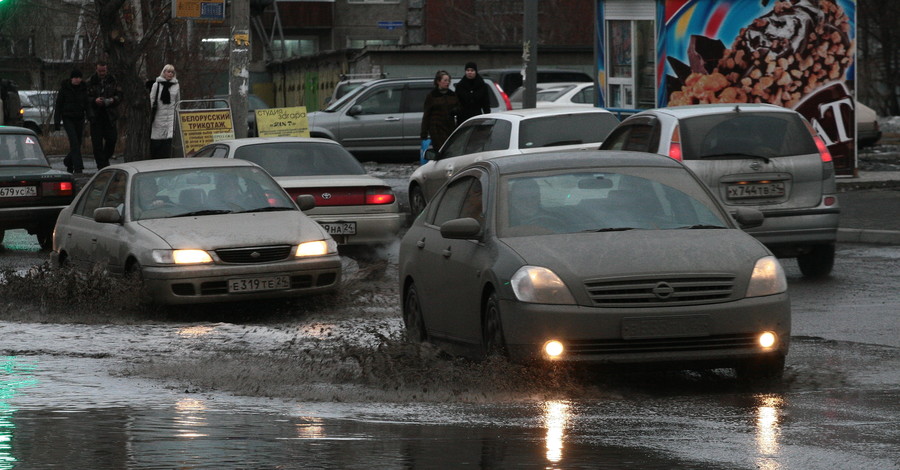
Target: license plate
{"x":339,"y":228}
{"x":680,"y":326}
{"x":256,"y":284}
{"x":743,"y":191}
{"x":18,"y":191}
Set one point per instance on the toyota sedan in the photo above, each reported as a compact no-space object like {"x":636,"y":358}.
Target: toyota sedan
{"x":197,"y":231}
{"x":600,"y":257}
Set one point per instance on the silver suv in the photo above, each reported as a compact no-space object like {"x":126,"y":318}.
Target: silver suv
{"x":752,"y":155}
{"x":383,"y":115}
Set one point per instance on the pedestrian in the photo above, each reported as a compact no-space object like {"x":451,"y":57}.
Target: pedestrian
{"x":473,"y":93}
{"x":440,"y":111}
{"x":164,"y":96}
{"x":105,"y":96}
{"x":73,"y":106}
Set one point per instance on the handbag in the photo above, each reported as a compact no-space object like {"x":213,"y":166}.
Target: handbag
{"x":425,"y":144}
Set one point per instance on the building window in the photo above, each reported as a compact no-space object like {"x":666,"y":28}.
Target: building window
{"x":294,"y":47}
{"x":214,"y":48}
{"x":361,"y":43}
{"x":73,"y":48}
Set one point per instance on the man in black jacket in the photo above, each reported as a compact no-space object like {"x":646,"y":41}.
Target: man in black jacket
{"x":105,"y":96}
{"x":473,"y":94}
{"x":72,"y":107}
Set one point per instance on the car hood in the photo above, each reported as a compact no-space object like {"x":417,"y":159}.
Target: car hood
{"x":577,"y":256}
{"x":328,"y":181}
{"x":233,"y":230}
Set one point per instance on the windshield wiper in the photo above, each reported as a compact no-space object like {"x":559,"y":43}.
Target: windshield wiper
{"x":268,"y":209}
{"x":736,"y":155}
{"x":609,"y":229}
{"x":204,"y":212}
{"x":700,"y":226}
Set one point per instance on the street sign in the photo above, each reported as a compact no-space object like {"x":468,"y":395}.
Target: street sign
{"x":390,"y":24}
{"x":200,"y":127}
{"x":199,"y":9}
{"x":282,"y":122}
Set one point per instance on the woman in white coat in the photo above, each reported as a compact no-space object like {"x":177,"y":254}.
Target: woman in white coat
{"x":164,"y":94}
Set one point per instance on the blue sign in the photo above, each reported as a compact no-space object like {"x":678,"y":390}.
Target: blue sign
{"x":390,"y":24}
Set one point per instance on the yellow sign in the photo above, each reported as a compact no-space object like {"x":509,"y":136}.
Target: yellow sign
{"x":282,"y":122}
{"x":199,"y":9}
{"x":203,"y":127}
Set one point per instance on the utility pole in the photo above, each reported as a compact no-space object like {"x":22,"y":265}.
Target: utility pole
{"x":239,"y":82}
{"x":529,"y":54}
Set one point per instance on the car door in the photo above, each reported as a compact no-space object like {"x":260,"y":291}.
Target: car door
{"x":374,"y":121}
{"x":451,"y":286}
{"x":79,"y":231}
{"x":110,"y":240}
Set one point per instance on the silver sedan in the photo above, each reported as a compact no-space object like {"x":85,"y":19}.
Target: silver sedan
{"x":604,"y":257}
{"x":197,"y":231}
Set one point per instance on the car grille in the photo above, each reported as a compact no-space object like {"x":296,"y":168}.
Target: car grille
{"x":656,"y":291}
{"x":660,"y":345}
{"x":258,"y":254}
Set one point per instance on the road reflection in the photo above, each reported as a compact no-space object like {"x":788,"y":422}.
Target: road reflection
{"x":769,"y":410}
{"x":190,"y":418}
{"x":556,"y":419}
{"x":16,"y":375}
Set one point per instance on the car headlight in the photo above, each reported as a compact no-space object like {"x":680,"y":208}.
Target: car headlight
{"x":181,"y":256}
{"x":541,"y":286}
{"x":767,"y":279}
{"x":316,"y":248}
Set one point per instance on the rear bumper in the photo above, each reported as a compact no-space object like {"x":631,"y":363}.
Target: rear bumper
{"x":804,"y":227}
{"x":371,"y":229}
{"x":29,"y":218}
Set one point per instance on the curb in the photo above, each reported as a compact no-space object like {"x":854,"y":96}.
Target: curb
{"x":877,"y":237}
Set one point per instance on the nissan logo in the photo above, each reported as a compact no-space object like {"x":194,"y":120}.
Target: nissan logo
{"x":755,"y":166}
{"x":326,"y":195}
{"x":663,"y":291}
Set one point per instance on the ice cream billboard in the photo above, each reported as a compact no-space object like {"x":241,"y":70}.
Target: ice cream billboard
{"x":793,"y":53}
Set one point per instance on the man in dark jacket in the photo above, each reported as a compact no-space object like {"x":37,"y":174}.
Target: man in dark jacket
{"x":473,"y":94}
{"x":72,"y":107}
{"x":105,"y":96}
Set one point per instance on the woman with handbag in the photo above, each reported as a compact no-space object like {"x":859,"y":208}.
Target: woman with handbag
{"x":164,"y":95}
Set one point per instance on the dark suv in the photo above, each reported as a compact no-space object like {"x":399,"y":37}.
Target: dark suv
{"x":383,"y":115}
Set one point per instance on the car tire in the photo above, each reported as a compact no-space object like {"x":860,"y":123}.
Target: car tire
{"x":45,"y":239}
{"x":417,"y":201}
{"x":412,"y":316}
{"x":818,"y":262}
{"x":492,"y":328}
{"x":765,"y":369}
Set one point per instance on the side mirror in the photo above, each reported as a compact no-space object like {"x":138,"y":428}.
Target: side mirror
{"x":107,"y":215}
{"x":431,"y":154}
{"x":354,"y":110}
{"x":306,"y":202}
{"x":748,"y":218}
{"x":466,"y":228}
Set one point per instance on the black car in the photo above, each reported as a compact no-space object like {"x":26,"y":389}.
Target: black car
{"x":31,"y":192}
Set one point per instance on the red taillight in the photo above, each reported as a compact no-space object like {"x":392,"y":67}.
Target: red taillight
{"x":62,"y":188}
{"x":824,"y":154}
{"x":505,"y":97}
{"x":379,"y":196}
{"x":675,"y":146}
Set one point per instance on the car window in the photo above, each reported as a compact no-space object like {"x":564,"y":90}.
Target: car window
{"x":301,"y":158}
{"x":745,"y":133}
{"x":93,"y":195}
{"x":635,"y":137}
{"x":565,"y":129}
{"x":21,"y":150}
{"x":456,"y":144}
{"x":115,"y":192}
{"x":585,"y":96}
{"x":576,"y":201}
{"x":382,"y":100}
{"x":414,"y":97}
{"x":205,"y":152}
{"x":450,"y":204}
{"x":552,"y":94}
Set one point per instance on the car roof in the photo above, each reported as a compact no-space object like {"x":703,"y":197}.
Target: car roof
{"x":179,"y":163}
{"x":529,"y":113}
{"x":558,"y":160}
{"x":718,"y":108}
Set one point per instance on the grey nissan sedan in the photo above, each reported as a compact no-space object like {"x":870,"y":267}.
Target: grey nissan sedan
{"x":197,"y":231}
{"x":593,"y":256}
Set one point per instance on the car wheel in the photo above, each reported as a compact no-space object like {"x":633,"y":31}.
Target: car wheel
{"x":818,"y":262}
{"x":417,"y":201}
{"x":45,"y":239}
{"x":412,"y":316}
{"x":492,"y":328}
{"x":769,"y":368}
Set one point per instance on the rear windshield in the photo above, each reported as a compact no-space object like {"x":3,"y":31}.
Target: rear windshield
{"x":21,"y":150}
{"x":744,"y":133}
{"x":569,"y":129}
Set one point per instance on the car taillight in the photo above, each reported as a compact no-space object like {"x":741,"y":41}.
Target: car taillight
{"x":58,"y":188}
{"x":824,"y":154}
{"x":675,"y":146}
{"x":505,"y":97}
{"x":379,"y":196}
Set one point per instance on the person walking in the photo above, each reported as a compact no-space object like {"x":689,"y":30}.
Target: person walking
{"x":105,"y":96}
{"x":440,"y":111}
{"x":164,"y":95}
{"x":473,"y":94}
{"x":73,"y":106}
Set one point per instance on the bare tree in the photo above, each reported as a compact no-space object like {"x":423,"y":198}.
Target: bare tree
{"x":878,"y":64}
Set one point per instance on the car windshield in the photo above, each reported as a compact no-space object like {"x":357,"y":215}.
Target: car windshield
{"x":340,"y":102}
{"x":21,"y":150}
{"x":566,"y":129}
{"x":301,"y":158}
{"x":551,"y":94}
{"x":205,"y":191}
{"x":605,"y":201}
{"x":745,"y":134}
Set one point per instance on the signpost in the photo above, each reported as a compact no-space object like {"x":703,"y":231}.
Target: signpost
{"x":282,"y":122}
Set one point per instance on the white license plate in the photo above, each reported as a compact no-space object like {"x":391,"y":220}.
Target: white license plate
{"x":256,"y":284}
{"x":18,"y":191}
{"x":741,"y":191}
{"x":339,"y":228}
